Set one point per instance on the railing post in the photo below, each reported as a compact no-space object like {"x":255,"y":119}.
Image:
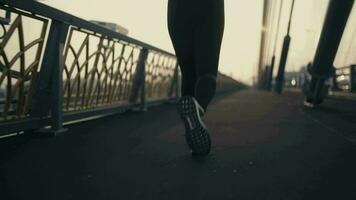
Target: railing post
{"x":174,"y":86}
{"x":143,"y":106}
{"x":139,"y":81}
{"x":48,"y":98}
{"x":270,"y":74}
{"x":335,"y":85}
{"x":352,"y":78}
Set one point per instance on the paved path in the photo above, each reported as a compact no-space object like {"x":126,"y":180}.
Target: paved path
{"x":265,"y":147}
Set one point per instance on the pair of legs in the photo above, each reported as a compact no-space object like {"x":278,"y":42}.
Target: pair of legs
{"x":196,"y":28}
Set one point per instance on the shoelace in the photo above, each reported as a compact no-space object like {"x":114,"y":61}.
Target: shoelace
{"x":200,"y":108}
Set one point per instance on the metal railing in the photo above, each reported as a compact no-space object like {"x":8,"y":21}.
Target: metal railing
{"x":74,"y":69}
{"x":345,"y":79}
{"x":70,"y":69}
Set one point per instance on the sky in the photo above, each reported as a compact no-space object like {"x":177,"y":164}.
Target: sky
{"x":147,"y":21}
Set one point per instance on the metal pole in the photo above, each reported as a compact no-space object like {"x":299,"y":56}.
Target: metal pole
{"x":57,"y":85}
{"x":284,"y":55}
{"x":48,"y":98}
{"x":270,"y":75}
{"x":334,"y":25}
{"x":139,"y":81}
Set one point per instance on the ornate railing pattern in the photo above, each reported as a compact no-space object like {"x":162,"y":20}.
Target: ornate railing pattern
{"x":99,"y":72}
{"x":85,"y":69}
{"x":19,"y":63}
{"x":160,"y":69}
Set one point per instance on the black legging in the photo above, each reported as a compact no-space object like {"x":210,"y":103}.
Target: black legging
{"x":196,"y":28}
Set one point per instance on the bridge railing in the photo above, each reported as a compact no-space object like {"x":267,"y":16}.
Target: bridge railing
{"x":57,"y":68}
{"x":64,"y":68}
{"x":345,"y":79}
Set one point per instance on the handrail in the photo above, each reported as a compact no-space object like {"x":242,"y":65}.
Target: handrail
{"x":41,"y":9}
{"x":111,"y":76}
{"x":342,"y":68}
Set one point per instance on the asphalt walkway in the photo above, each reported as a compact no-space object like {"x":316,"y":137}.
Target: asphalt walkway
{"x":265,"y":146}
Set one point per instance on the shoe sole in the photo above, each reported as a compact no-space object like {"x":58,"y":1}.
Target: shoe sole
{"x":196,"y":133}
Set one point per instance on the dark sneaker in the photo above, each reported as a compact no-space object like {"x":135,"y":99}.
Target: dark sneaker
{"x":196,"y":133}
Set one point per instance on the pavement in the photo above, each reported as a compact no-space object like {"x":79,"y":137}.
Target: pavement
{"x":265,"y":146}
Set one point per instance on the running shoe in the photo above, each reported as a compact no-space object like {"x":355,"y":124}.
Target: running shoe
{"x":196,"y":133}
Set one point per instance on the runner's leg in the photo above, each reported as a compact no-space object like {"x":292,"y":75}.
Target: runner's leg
{"x":181,"y":32}
{"x":208,"y":38}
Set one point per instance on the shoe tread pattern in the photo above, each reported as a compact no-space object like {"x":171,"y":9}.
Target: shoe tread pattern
{"x":196,"y":134}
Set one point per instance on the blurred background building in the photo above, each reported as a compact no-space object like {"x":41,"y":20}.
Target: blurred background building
{"x":112,"y":26}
